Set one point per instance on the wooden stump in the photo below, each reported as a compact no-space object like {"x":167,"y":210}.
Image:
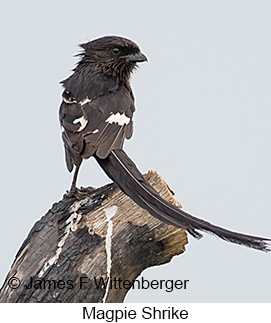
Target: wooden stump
{"x":81,"y":243}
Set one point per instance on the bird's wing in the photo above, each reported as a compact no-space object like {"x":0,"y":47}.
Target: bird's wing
{"x":96,"y":125}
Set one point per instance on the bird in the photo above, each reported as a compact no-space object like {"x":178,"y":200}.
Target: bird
{"x":96,"y":116}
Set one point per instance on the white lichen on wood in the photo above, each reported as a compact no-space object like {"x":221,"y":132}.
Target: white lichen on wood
{"x":109,"y":213}
{"x":71,"y":225}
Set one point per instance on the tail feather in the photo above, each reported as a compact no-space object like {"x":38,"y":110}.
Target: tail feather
{"x":121,"y":169}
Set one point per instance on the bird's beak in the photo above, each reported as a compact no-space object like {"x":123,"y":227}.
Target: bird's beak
{"x":136,"y":58}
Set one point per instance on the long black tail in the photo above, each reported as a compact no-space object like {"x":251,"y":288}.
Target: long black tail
{"x":121,"y":169}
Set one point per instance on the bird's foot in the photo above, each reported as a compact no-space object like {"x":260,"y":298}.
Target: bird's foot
{"x":77,"y":193}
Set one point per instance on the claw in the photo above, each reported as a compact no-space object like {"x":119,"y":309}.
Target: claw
{"x":79,"y":194}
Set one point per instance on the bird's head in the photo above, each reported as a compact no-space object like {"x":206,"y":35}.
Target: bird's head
{"x":112,"y":55}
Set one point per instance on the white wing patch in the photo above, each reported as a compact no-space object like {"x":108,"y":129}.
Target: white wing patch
{"x":83,"y":122}
{"x":118,"y":118}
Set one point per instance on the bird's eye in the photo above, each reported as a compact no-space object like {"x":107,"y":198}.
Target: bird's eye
{"x":116,"y":50}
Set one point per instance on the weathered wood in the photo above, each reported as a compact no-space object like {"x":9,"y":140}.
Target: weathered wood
{"x":104,"y":234}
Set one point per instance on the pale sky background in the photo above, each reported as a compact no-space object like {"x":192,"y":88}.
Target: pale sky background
{"x":203,"y":121}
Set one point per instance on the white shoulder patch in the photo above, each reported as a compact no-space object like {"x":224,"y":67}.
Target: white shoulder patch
{"x":85,"y":101}
{"x":72,"y":100}
{"x":83,"y":122}
{"x":118,"y":118}
{"x":69,"y":101}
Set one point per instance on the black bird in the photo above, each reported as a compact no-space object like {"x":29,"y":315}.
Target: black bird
{"x":96,"y":115}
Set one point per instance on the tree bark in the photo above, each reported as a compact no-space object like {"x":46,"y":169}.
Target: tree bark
{"x":82,"y":241}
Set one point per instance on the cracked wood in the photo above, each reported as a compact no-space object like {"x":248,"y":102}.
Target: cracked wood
{"x":102,"y":235}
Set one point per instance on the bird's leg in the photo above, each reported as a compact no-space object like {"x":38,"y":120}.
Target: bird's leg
{"x":74,"y":191}
{"x":73,"y":188}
